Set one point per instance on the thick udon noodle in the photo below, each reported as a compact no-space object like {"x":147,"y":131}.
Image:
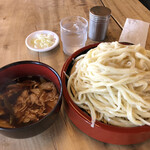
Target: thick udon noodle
{"x":112,"y":83}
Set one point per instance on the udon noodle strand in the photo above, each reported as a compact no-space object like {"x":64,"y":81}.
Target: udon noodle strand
{"x":112,"y":83}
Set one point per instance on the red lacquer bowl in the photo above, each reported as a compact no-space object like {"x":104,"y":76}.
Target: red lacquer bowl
{"x":102,"y":132}
{"x":31,"y":68}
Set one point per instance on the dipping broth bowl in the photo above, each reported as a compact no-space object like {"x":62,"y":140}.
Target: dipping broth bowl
{"x":32,"y":68}
{"x":101,"y":131}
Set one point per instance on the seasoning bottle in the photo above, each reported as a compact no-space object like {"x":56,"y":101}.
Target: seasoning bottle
{"x":98,"y":22}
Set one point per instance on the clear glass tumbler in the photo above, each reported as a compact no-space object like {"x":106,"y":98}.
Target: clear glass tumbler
{"x":73,"y":33}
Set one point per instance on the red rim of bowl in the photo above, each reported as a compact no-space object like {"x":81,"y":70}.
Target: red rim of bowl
{"x":66,"y":68}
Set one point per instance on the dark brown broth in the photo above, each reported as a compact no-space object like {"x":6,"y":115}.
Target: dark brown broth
{"x":26,"y":100}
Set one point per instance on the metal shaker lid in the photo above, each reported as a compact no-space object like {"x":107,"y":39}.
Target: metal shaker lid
{"x":100,"y":12}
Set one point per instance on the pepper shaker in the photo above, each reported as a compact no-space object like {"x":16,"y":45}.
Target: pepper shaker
{"x":98,"y":22}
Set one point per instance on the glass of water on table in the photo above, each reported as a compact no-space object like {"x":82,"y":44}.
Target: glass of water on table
{"x":73,"y":33}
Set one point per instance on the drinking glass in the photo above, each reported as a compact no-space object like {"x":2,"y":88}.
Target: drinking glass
{"x":73,"y":31}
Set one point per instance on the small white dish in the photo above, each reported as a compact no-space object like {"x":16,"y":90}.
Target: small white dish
{"x":29,"y":44}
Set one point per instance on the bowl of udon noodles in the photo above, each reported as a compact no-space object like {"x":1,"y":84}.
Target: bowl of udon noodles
{"x":30,"y":98}
{"x":106,"y":87}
